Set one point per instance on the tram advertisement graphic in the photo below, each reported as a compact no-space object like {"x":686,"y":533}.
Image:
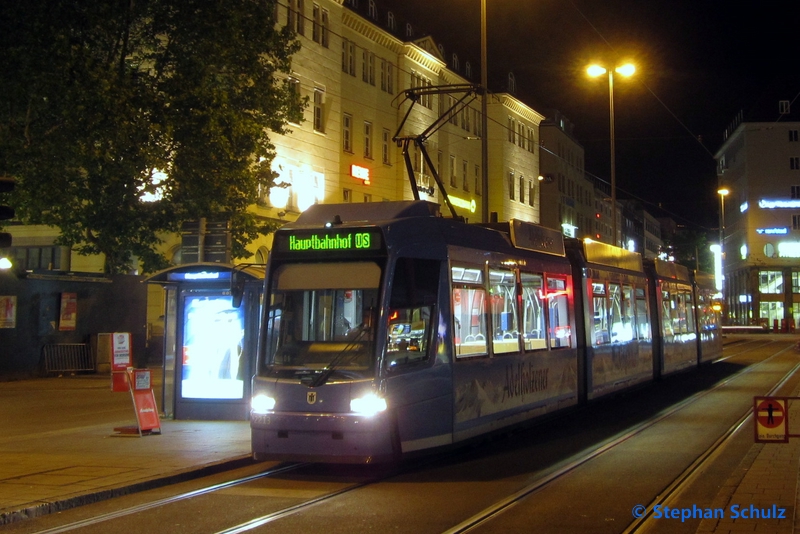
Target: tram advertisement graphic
{"x":771,"y":419}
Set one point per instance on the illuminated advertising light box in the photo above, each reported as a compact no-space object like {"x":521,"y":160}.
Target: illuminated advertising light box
{"x":310,"y":242}
{"x":212,"y":349}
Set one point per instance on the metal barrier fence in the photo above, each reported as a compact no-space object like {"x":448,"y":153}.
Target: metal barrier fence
{"x":68,"y":358}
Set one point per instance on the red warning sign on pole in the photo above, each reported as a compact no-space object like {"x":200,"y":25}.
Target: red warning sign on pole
{"x":771,"y":419}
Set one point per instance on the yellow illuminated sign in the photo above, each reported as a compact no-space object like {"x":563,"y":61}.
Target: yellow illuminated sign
{"x":463,"y":203}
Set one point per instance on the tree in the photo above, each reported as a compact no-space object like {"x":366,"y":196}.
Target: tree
{"x":104,"y":101}
{"x":690,"y":247}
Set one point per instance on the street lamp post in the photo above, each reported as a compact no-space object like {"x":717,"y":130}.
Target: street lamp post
{"x":484,"y":120}
{"x":595,"y":71}
{"x":722,"y":192}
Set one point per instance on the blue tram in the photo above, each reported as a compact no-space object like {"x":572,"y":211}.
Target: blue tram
{"x":389,"y":330}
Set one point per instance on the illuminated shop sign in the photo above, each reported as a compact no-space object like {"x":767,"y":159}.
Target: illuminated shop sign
{"x":362,"y":173}
{"x":329,"y":240}
{"x":778,"y":204}
{"x":789,"y":249}
{"x":773,"y":231}
{"x":463,"y":203}
{"x":201,"y":276}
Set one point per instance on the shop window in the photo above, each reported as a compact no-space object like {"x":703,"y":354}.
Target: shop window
{"x":770,"y":282}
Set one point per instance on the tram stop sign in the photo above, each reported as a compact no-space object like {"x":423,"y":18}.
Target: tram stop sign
{"x":771,"y":419}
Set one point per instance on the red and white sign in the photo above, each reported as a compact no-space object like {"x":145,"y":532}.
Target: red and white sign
{"x":144,"y":404}
{"x":771,"y":419}
{"x":362,"y":173}
{"x":121,"y":360}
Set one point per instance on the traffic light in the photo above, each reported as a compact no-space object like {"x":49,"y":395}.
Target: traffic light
{"x":6,"y":212}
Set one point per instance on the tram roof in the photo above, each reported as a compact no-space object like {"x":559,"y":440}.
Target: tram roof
{"x":372,"y":212}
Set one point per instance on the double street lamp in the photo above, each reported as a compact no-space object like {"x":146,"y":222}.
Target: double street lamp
{"x":595,"y":71}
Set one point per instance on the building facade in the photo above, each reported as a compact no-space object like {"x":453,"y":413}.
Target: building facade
{"x":759,"y":164}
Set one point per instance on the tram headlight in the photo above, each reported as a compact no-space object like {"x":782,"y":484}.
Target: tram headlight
{"x":262,"y":403}
{"x":369,"y":405}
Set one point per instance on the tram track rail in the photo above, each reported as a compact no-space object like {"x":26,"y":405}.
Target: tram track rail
{"x":490,"y":513}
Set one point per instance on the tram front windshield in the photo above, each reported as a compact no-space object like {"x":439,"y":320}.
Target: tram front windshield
{"x":322,"y":318}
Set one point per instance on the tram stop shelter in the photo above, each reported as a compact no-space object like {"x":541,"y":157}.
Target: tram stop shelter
{"x":209,"y":344}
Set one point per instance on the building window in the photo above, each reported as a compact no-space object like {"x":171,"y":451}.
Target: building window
{"x":386,"y":138}
{"x":453,"y":181}
{"x":531,"y":193}
{"x":319,"y":111}
{"x":347,"y":195}
{"x":373,"y":10}
{"x":795,"y":191}
{"x":384,"y":72}
{"x":795,"y":282}
{"x":465,"y":175}
{"x":511,"y":185}
{"x":468,"y":70}
{"x":522,"y":189}
{"x":347,"y":133}
{"x":319,"y":30}
{"x":794,"y":163}
{"x":39,"y":258}
{"x":367,"y":197}
{"x":371,"y":65}
{"x":298,"y":17}
{"x":477,"y":179}
{"x":390,"y":22}
{"x":795,"y":222}
{"x":512,"y":128}
{"x":770,"y":282}
{"x":348,"y":57}
{"x":296,"y":116}
{"x":792,"y":136}
{"x":368,"y":140}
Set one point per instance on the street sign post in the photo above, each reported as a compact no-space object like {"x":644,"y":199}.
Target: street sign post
{"x":771,"y":419}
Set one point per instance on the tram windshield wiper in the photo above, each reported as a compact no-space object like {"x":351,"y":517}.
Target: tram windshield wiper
{"x":341,"y":359}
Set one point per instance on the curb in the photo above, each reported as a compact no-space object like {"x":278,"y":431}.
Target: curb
{"x":39,"y":510}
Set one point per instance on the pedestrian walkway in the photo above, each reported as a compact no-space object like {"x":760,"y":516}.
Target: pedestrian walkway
{"x":765,"y":480}
{"x":58,"y":448}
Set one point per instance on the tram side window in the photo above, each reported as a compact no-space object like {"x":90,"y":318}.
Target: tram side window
{"x":558,"y":309}
{"x":668,"y":311}
{"x":642,"y":321}
{"x":688,"y":307}
{"x":469,"y":312}
{"x":621,"y":313}
{"x":533,"y":321}
{"x":602,"y":333}
{"x":415,"y":288}
{"x":503,"y":291}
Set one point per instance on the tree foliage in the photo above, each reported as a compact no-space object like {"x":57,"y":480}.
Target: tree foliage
{"x":690,"y":247}
{"x":99,"y":96}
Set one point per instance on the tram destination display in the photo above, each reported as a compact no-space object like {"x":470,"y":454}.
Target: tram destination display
{"x":339,"y":240}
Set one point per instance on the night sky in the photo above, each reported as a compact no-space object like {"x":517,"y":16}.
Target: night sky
{"x":699,"y":63}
